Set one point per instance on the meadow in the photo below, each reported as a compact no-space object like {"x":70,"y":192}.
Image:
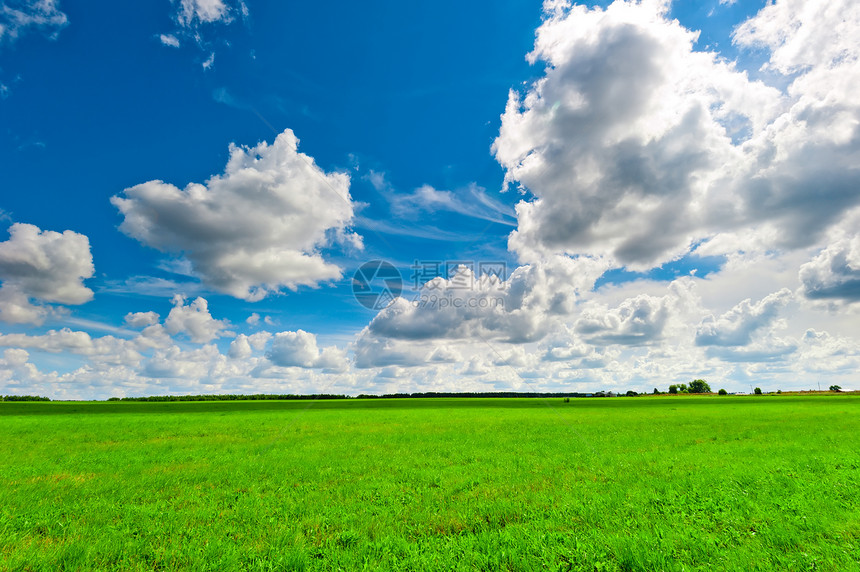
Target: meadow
{"x":647,"y":483}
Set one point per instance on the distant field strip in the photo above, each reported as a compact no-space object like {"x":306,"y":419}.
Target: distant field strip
{"x":647,"y":483}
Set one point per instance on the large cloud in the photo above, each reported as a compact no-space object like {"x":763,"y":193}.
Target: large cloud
{"x":253,"y":230}
{"x":45,"y":266}
{"x":619,"y":140}
{"x":637,"y":146}
{"x":803,"y":170}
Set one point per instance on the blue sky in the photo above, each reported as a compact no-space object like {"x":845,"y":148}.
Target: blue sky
{"x":671,"y":188}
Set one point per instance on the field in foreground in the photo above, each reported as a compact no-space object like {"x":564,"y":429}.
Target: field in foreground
{"x":657,"y":483}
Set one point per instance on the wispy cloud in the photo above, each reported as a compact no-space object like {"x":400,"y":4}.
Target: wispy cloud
{"x":169,"y":40}
{"x":407,"y":209}
{"x":425,"y":232}
{"x":470,"y":201}
{"x":149,"y":286}
{"x":92,"y":325}
{"x":17,"y":18}
{"x":195,"y":21}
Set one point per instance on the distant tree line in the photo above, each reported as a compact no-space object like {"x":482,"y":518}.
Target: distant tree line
{"x":476,"y":394}
{"x":695,"y":386}
{"x":418,"y":395}
{"x":230,"y":397}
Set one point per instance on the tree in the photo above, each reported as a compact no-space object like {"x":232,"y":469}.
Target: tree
{"x":699,"y":386}
{"x":836,"y":388}
{"x":656,"y":391}
{"x":723,"y":392}
{"x":673,"y":389}
{"x":758,"y":391}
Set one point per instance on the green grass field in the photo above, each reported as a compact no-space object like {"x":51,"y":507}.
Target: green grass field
{"x":655,"y":483}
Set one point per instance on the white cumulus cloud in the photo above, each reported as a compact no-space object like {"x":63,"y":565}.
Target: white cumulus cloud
{"x":141,"y":319}
{"x":802,"y":34}
{"x":636,"y":146}
{"x":245,"y":346}
{"x":834,"y":274}
{"x":299,"y":349}
{"x":638,"y":321}
{"x":194,"y":320}
{"x":253,"y":230}
{"x":105,"y":350}
{"x":42,"y":266}
{"x":737,"y":326}
{"x":522,"y":308}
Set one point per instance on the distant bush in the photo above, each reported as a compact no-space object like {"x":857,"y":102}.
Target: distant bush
{"x":673,"y":389}
{"x":699,"y":386}
{"x":631,"y":393}
{"x":656,"y":391}
{"x":836,"y":388}
{"x":723,"y":392}
{"x":779,"y":391}
{"x":758,"y":391}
